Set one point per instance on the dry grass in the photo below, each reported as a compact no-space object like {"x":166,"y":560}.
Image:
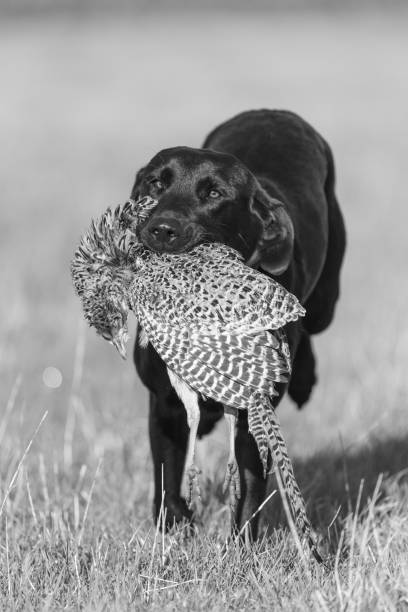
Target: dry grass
{"x":85,"y":103}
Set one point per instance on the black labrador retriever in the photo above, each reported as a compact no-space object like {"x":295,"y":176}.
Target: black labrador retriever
{"x":263,"y":183}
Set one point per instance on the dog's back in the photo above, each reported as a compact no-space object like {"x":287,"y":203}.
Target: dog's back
{"x":294,"y":164}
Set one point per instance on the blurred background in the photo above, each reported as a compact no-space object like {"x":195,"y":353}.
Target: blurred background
{"x":90,"y":92}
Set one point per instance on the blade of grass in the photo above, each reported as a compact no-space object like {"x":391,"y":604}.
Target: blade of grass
{"x":20,"y":463}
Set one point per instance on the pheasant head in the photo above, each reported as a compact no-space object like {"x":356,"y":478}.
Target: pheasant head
{"x":106,"y":308}
{"x":103,"y":267}
{"x":103,"y":291}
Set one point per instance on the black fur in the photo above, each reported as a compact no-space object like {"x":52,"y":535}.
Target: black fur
{"x":275,"y":178}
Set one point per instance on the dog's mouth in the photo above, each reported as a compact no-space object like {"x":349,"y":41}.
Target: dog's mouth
{"x":182,"y":242}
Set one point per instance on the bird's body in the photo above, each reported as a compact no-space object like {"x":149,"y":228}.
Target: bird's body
{"x":216,"y":323}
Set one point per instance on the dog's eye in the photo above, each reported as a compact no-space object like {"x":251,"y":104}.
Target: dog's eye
{"x":214,"y":194}
{"x":157,"y":184}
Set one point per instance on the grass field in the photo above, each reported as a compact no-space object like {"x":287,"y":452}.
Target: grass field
{"x":84,"y":104}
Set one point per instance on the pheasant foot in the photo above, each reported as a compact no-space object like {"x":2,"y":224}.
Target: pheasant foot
{"x":232,"y":480}
{"x":193,"y":485}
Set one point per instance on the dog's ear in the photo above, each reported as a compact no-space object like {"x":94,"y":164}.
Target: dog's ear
{"x":275,"y":244}
{"x":135,"y":193}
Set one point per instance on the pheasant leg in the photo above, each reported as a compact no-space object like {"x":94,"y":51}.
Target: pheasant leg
{"x":192,"y":471}
{"x":232,"y":479}
{"x":190,"y":401}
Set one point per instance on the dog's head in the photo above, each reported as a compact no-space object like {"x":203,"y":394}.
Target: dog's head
{"x":207,"y":196}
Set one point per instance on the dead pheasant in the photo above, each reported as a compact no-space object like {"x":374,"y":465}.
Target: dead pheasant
{"x":216,"y":323}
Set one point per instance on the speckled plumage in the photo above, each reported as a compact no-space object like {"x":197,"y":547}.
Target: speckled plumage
{"x":216,"y":323}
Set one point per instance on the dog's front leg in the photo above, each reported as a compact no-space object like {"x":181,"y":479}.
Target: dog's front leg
{"x":253,"y":483}
{"x":168,"y":431}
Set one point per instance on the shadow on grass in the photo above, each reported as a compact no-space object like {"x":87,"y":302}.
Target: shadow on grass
{"x":336,"y":483}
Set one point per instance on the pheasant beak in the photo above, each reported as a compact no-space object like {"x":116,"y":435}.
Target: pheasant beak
{"x":119,"y":342}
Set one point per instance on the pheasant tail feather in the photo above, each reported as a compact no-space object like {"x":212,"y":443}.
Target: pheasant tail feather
{"x":264,"y":426}
{"x":256,"y":428}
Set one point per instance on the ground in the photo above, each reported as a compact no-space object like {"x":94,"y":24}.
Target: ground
{"x":85,"y":103}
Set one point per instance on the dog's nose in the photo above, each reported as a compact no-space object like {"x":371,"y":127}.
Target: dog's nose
{"x":164,"y":232}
